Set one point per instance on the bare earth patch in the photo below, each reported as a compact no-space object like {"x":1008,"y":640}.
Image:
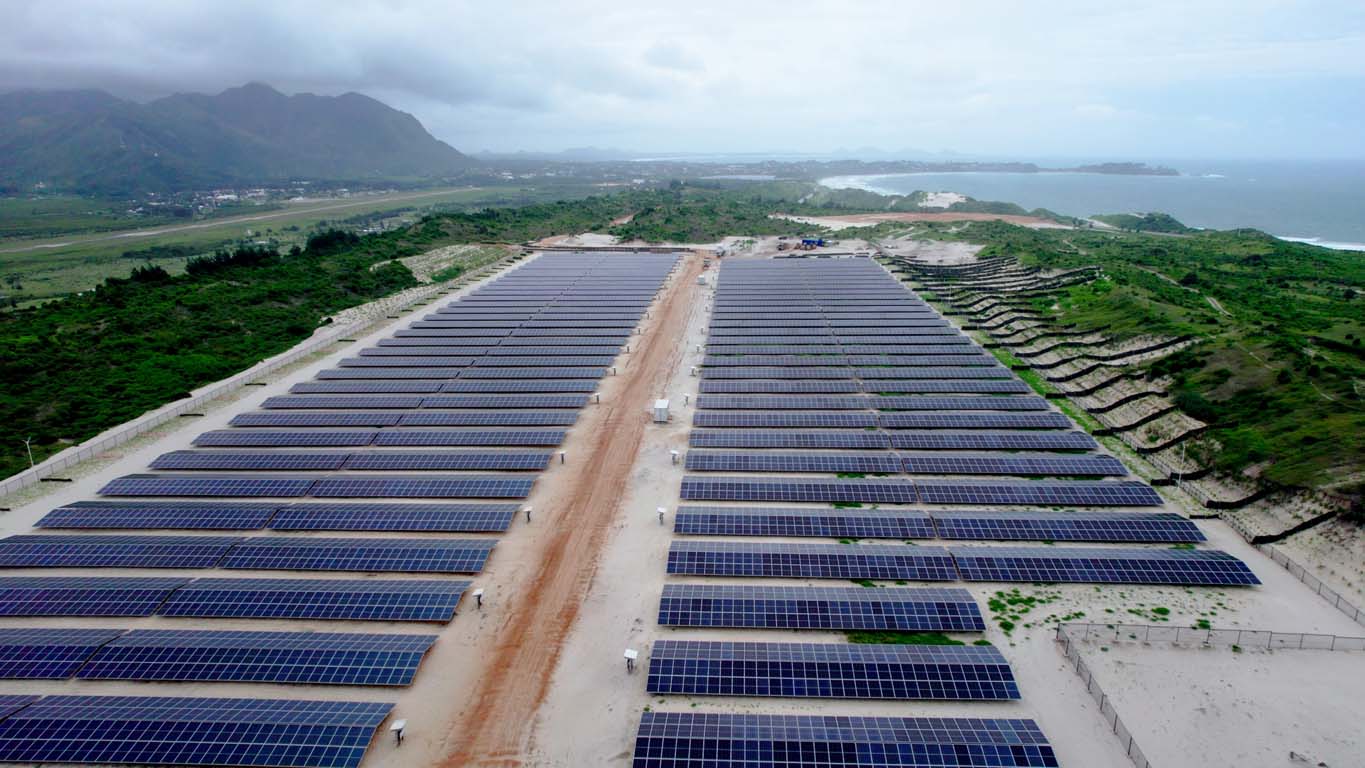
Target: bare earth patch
{"x":869,"y":219}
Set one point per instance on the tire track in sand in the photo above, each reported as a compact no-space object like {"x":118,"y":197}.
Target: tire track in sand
{"x":495,"y":729}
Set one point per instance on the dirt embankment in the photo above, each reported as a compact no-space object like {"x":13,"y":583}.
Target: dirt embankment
{"x":495,"y":729}
{"x":870,"y":219}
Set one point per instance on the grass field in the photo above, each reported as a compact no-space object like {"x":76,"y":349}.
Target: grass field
{"x":35,"y":270}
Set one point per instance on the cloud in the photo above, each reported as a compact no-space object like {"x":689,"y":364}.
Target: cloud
{"x":984,"y":76}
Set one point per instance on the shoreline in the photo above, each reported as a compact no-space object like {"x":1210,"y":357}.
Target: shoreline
{"x":867,"y":183}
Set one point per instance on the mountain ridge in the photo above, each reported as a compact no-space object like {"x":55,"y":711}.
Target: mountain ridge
{"x":91,"y":141}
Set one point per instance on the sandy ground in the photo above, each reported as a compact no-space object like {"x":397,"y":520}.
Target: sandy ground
{"x":1336,"y":550}
{"x":869,"y":219}
{"x":1208,"y":706}
{"x":941,"y":199}
{"x":934,"y":251}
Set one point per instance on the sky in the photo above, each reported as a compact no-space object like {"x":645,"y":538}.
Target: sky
{"x":994,"y":78}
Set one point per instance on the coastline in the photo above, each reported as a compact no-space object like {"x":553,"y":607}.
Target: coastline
{"x":869,"y":183}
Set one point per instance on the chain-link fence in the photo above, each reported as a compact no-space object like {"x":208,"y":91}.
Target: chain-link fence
{"x":1107,"y":710}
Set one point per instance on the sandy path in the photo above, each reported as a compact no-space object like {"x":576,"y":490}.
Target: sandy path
{"x":515,"y":677}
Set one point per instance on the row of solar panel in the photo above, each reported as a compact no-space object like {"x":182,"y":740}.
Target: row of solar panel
{"x":163,"y":730}
{"x":974,"y":525}
{"x":314,"y":658}
{"x":866,"y":402}
{"x":441,"y":350}
{"x":333,"y":461}
{"x":549,"y":372}
{"x":555,"y":418}
{"x":880,"y":377}
{"x":330,"y":599}
{"x":1089,"y":565}
{"x":940,"y":355}
{"x":706,"y":740}
{"x":931,"y":440}
{"x":894,"y":421}
{"x":400,"y":402}
{"x":208,"y":515}
{"x":447,"y":361}
{"x":245,"y":438}
{"x":351,"y":486}
{"x":895,"y":491}
{"x":826,"y":670}
{"x":873,"y":386}
{"x":1088,"y":465}
{"x":483,"y":386}
{"x":273,"y":553}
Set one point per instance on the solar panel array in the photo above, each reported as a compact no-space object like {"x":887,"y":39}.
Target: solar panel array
{"x":831,"y":671}
{"x":459,"y":407}
{"x":834,"y":404}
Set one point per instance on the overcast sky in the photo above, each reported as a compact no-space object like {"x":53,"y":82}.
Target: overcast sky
{"x":1089,"y":78}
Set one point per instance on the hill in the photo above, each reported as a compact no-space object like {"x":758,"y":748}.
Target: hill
{"x":89,"y":141}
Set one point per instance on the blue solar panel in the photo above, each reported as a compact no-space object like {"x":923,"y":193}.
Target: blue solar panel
{"x":53,"y":654}
{"x":186,"y":485}
{"x":206,"y":515}
{"x":791,"y":489}
{"x":829,"y":670}
{"x":449,"y":518}
{"x":1109,"y":526}
{"x":413,"y":486}
{"x":360,"y":554}
{"x":840,"y":608}
{"x":993,"y":441}
{"x":336,"y":599}
{"x":811,"y":561}
{"x":829,"y":463}
{"x":1089,"y":465}
{"x":191,"y":731}
{"x":798,"y":521}
{"x":674,"y":739}
{"x":122,"y":551}
{"x":1079,"y":493}
{"x":315,"y":658}
{"x":84,"y":595}
{"x":1102,"y":565}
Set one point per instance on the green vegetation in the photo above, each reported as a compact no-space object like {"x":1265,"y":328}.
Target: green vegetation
{"x":1146,"y":222}
{"x":891,"y":637}
{"x":1278,"y":367}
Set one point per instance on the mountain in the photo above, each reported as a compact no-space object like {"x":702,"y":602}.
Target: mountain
{"x":90,"y":141}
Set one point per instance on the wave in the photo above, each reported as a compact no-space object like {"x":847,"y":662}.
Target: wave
{"x":1335,"y":245}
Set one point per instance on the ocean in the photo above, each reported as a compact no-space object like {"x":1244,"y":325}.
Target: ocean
{"x":1322,"y":203}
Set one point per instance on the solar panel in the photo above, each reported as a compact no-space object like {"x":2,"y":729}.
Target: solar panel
{"x":709,"y":461}
{"x":524,"y":387}
{"x":786,"y":419}
{"x":1103,"y":565}
{"x":785,"y":438}
{"x":830,"y":608}
{"x":810,"y":561}
{"x":159,"y":514}
{"x":444,"y":341}
{"x":444,"y":518}
{"x":777,"y":387}
{"x":356,"y":419}
{"x":122,"y":551}
{"x":413,"y":486}
{"x":47,"y":654}
{"x":10,"y":702}
{"x":489,"y":419}
{"x":1090,"y":465}
{"x":186,"y":485}
{"x":257,"y":438}
{"x":332,"y":374}
{"x":395,"y":361}
{"x":539,"y":437}
{"x":1038,"y":420}
{"x":542,"y":361}
{"x":776,"y":372}
{"x":559,"y":350}
{"x":505,"y":401}
{"x":342,"y":402}
{"x":241,"y":460}
{"x":546,"y":372}
{"x":335,"y":599}
{"x":313,"y":658}
{"x":940,"y":372}
{"x":830,"y":671}
{"x":506,"y":461}
{"x":83,"y":595}
{"x":362,"y":387}
{"x":787,"y":521}
{"x":951,"y":386}
{"x":801,"y":490}
{"x":191,"y":731}
{"x":671,"y":739}
{"x":794,"y":403}
{"x":1142,"y":527}
{"x":993,"y":441}
{"x":730,"y":360}
{"x":1079,"y":493}
{"x":968,"y":403}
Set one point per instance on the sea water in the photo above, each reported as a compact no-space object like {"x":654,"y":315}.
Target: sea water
{"x":1310,"y":201}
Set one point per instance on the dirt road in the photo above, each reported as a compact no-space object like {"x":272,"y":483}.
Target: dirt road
{"x":494,"y":730}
